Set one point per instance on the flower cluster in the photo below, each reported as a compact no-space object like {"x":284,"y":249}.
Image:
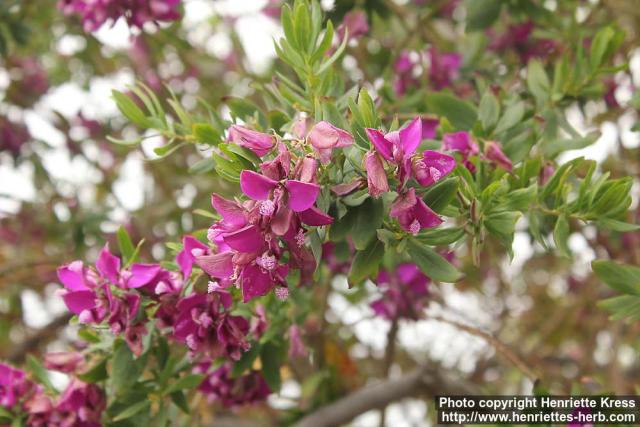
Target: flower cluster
{"x":519,"y":37}
{"x":404,"y":291}
{"x":398,"y":150}
{"x":80,"y":404}
{"x":112,"y":293}
{"x":444,"y":68}
{"x":12,"y":136}
{"x":95,"y":13}
{"x":258,"y":240}
{"x":220,"y":386}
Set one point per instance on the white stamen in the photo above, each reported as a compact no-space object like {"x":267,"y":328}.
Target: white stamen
{"x":300,"y":238}
{"x":197,"y":252}
{"x":414,"y":228}
{"x":162,"y":288}
{"x":213,"y":286}
{"x":282,"y":293}
{"x":435,"y":174}
{"x":266,"y":261}
{"x":267,"y":207}
{"x":85,"y":316}
{"x":191,"y":342}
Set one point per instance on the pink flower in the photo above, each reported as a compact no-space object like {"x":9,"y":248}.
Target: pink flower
{"x":258,"y":142}
{"x":444,"y":68}
{"x":376,"y":175}
{"x":221,"y":386}
{"x":66,"y":362}
{"x":493,"y":152}
{"x":14,"y":386}
{"x":404,"y":292}
{"x":296,"y":346}
{"x":12,"y":136}
{"x":462,"y":143}
{"x":80,"y":404}
{"x":324,"y":137}
{"x":355,"y":22}
{"x":432,"y":167}
{"x":397,"y":147}
{"x":95,"y":13}
{"x":205,"y":326}
{"x":412,"y":213}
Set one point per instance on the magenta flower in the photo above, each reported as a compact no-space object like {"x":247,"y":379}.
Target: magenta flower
{"x":432,"y":167}
{"x":444,"y":68}
{"x":404,"y":292}
{"x":95,"y":13}
{"x":404,"y":74}
{"x":324,"y":137}
{"x":66,"y":362}
{"x":296,"y":346}
{"x":493,"y":152}
{"x":462,"y":143}
{"x":355,"y":23}
{"x":397,"y":147}
{"x":191,"y":248}
{"x":14,"y":386}
{"x":258,"y":142}
{"x":376,"y":175}
{"x":412,"y":213}
{"x":12,"y":136}
{"x":80,"y":404}
{"x":205,"y":326}
{"x":429,"y":127}
{"x":220,"y":386}
{"x":299,"y":195}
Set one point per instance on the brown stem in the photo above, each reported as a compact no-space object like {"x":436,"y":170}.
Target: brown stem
{"x":388,"y":361}
{"x":499,"y":346}
{"x":427,"y":380}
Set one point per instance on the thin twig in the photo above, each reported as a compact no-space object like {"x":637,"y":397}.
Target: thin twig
{"x":497,"y":344}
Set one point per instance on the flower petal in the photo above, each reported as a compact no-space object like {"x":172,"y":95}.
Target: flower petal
{"x":382,"y":145}
{"x":255,"y":185}
{"x":315,"y":217}
{"x":72,"y":276}
{"x":142,"y":274}
{"x":302,"y":195}
{"x":230,"y":211}
{"x":218,"y":265}
{"x":411,"y":136}
{"x":425,"y":216}
{"x":247,"y":239}
{"x":78,"y":301}
{"x":108,"y":265}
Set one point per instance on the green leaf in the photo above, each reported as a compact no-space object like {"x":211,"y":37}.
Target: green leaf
{"x":202,"y":166}
{"x":502,"y":224}
{"x":599,"y":47}
{"x":187,"y":382}
{"x":270,"y":358}
{"x":440,"y":236}
{"x":622,"y":306}
{"x":431,"y":263}
{"x":205,"y":133}
{"x":438,"y":196}
{"x":513,"y":114}
{"x":368,"y":219}
{"x":125,"y":244}
{"x":461,"y":114}
{"x":615,"y":225}
{"x":125,"y":370}
{"x":39,"y":372}
{"x":178,"y":398}
{"x":622,"y":278}
{"x":95,"y":374}
{"x":538,"y":82}
{"x":482,"y":13}
{"x":130,"y":110}
{"x":366,"y":262}
{"x":555,"y":147}
{"x":561,"y":235}
{"x":489,"y":111}
{"x":132,"y":410}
